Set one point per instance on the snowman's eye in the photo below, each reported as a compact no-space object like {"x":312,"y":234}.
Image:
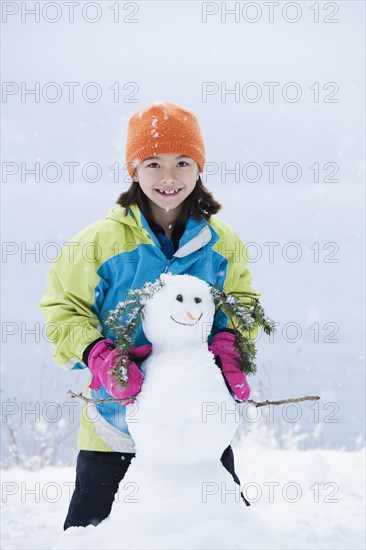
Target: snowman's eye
{"x":179,"y":298}
{"x":197,"y":300}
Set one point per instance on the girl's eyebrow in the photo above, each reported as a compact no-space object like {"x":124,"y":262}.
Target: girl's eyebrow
{"x":159,"y":158}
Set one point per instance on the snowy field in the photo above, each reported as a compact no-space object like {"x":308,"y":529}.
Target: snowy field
{"x":299,"y":500}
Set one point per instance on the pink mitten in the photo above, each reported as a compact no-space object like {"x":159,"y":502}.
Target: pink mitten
{"x":100,"y":361}
{"x":222,"y":346}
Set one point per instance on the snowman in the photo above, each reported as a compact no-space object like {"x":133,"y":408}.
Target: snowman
{"x":181,"y":421}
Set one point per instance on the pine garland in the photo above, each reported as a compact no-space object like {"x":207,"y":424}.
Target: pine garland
{"x":124,"y":321}
{"x":244,"y":320}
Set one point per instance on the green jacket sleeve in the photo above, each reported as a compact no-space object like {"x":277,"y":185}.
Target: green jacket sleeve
{"x":238,"y":281}
{"x":70,"y":323}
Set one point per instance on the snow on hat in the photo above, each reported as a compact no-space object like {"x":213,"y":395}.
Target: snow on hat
{"x":163,"y":128}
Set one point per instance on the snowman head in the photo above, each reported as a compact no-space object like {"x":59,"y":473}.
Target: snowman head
{"x":177,"y":311}
{"x":180,"y":313}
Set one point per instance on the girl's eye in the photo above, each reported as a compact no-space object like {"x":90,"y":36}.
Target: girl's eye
{"x":197,"y":300}
{"x":181,"y":164}
{"x":179,"y":298}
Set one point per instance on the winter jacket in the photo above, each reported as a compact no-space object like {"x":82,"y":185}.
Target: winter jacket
{"x":93,"y":273}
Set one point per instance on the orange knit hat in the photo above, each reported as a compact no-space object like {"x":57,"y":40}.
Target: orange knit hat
{"x":163,"y":128}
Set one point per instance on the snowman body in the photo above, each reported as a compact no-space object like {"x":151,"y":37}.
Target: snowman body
{"x":186,"y":406}
{"x":183,"y":418}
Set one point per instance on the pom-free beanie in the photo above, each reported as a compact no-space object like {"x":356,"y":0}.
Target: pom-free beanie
{"x":163,"y":128}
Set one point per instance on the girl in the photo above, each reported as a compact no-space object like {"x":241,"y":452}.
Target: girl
{"x":165,"y":222}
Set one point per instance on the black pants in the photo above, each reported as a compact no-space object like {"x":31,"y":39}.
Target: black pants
{"x":98,"y":475}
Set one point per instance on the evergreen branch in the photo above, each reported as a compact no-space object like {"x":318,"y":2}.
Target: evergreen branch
{"x":246,"y":319}
{"x":124,"y":322}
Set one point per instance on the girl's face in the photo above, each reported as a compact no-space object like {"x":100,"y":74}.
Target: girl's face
{"x":167,"y":179}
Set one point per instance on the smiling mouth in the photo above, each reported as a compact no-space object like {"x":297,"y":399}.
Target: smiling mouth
{"x":186,"y":324}
{"x":168,"y":193}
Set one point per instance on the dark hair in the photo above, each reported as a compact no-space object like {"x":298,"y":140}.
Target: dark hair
{"x":200,"y":203}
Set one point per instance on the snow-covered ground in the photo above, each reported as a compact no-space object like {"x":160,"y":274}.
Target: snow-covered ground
{"x":299,"y":500}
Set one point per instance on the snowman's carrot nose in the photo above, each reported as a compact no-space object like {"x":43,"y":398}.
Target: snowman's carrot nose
{"x":192,"y":316}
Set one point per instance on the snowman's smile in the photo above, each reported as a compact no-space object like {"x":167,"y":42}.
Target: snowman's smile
{"x":186,"y":324}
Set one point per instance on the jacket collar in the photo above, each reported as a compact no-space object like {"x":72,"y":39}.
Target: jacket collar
{"x":117,"y":213}
{"x":196,"y":235}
